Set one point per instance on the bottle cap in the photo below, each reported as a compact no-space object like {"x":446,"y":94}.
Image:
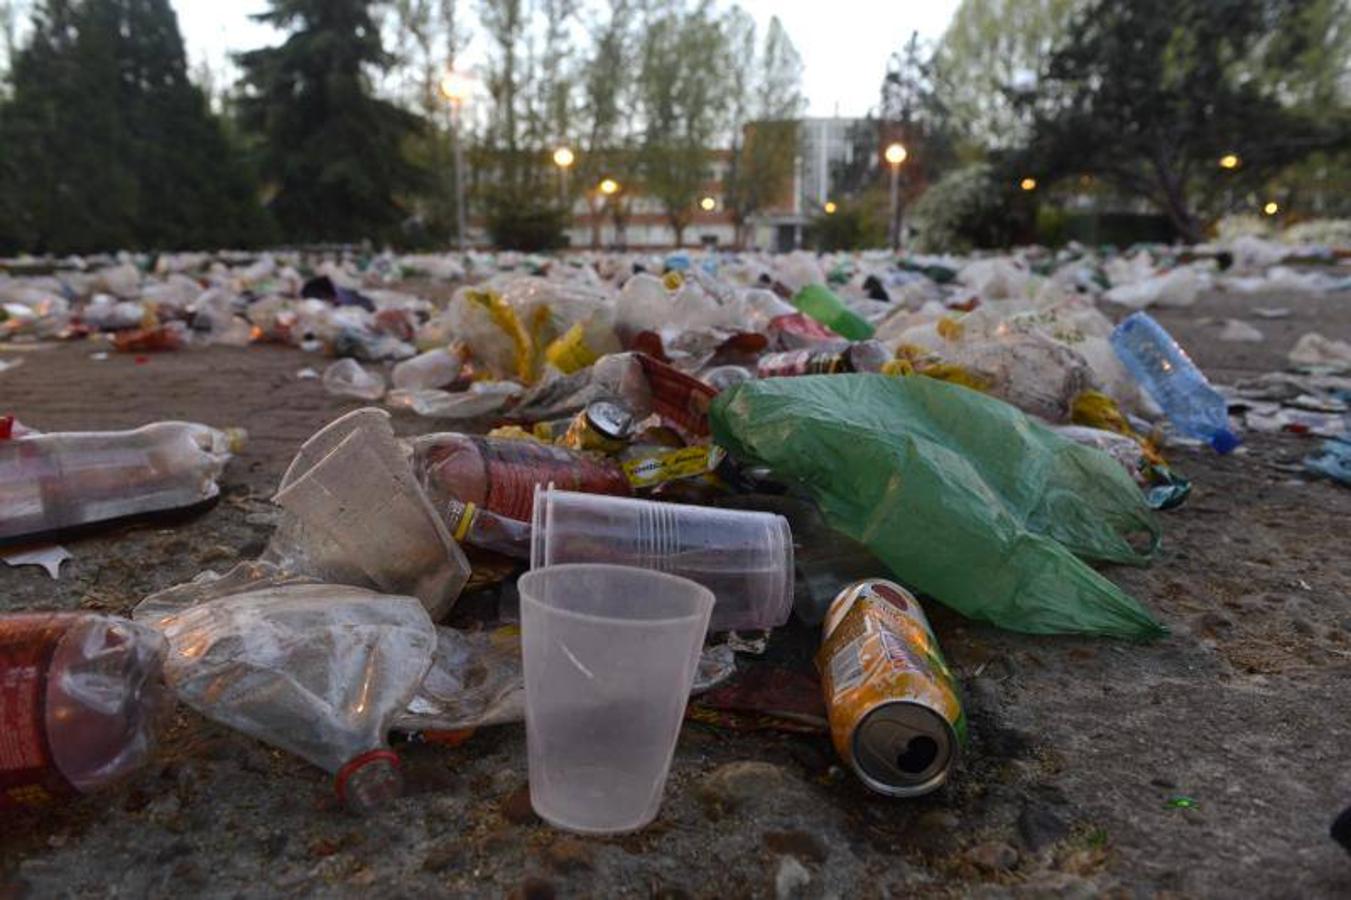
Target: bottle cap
{"x":1224,"y":441}
{"x":357,"y":763}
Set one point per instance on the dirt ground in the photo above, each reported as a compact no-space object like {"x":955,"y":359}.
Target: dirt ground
{"x":1068,"y":789}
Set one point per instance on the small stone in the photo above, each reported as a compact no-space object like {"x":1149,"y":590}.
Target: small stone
{"x":797,"y":843}
{"x":569,"y":855}
{"x":1166,"y":783}
{"x":516,"y":808}
{"x":730,"y":787}
{"x":994,"y":856}
{"x":790,"y":877}
{"x":534,"y":889}
{"x":1040,"y":826}
{"x":449,"y":855}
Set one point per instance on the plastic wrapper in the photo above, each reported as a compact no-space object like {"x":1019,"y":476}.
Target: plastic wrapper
{"x":961,"y":495}
{"x":476,"y":679}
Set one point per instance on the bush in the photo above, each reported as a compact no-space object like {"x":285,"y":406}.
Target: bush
{"x":968,"y":209}
{"x":520,"y":218}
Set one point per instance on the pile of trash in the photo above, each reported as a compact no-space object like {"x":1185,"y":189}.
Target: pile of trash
{"x":652,"y":466}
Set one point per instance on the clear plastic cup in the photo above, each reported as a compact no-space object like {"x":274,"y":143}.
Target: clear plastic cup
{"x":366,"y":505}
{"x":606,"y":683}
{"x":744,"y":558}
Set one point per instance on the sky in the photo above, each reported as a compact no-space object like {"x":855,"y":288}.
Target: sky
{"x":844,"y":43}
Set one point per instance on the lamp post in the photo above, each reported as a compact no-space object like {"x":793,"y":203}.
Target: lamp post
{"x":830,"y":207}
{"x":1230,"y":163}
{"x":563,"y":158}
{"x":456,"y":88}
{"x":609,"y":188}
{"x":895,"y":155}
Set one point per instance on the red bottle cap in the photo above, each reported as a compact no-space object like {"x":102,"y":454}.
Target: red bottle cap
{"x":356,"y":764}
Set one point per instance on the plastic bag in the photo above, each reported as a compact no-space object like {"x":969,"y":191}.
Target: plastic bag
{"x":961,"y":495}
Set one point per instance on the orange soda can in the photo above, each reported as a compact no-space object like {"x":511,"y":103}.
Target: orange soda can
{"x":895,"y":712}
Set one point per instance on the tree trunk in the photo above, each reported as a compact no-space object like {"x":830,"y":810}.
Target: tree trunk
{"x":679,"y":230}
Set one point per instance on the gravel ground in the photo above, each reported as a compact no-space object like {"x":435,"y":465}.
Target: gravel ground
{"x":1077,"y":745}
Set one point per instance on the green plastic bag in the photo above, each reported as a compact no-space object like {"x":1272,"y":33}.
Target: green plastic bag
{"x":960,"y":494}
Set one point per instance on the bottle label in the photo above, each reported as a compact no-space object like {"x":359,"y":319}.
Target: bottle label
{"x":28,"y":776}
{"x":515,"y":468}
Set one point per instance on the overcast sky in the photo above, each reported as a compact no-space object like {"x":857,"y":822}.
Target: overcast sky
{"x":844,"y":43}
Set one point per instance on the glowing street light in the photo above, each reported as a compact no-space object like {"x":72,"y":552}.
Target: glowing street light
{"x":1271,"y":208}
{"x":830,"y":207}
{"x":1230,"y":161}
{"x":1028,"y":184}
{"x":609,"y":187}
{"x":708,"y":204}
{"x":895,"y":154}
{"x":456,"y":86}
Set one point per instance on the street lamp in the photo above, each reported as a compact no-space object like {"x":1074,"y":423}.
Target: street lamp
{"x":1230,"y":161}
{"x":708,"y":204}
{"x":1271,"y":208}
{"x":895,"y":154}
{"x":457,"y":87}
{"x":830,"y":207}
{"x":563,"y":158}
{"x":1028,"y":184}
{"x":609,"y":187}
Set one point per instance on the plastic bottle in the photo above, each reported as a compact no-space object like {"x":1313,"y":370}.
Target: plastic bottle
{"x":80,"y":696}
{"x":802,"y":283}
{"x":318,"y":670}
{"x":500,"y":474}
{"x":1174,"y":382}
{"x":63,"y":479}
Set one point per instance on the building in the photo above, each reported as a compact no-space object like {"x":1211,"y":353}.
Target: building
{"x":823,"y":144}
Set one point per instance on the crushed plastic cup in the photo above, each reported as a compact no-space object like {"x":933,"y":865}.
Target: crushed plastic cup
{"x":347,"y":378}
{"x":362,"y":500}
{"x":744,"y":558}
{"x":606,"y":684}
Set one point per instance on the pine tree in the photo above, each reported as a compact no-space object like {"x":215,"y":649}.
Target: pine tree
{"x":107,"y":143}
{"x":332,"y":151}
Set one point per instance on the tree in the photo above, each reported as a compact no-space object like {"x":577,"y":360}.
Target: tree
{"x":992,"y":51}
{"x":1149,"y":95}
{"x":767,"y":105}
{"x":333,"y":152}
{"x":682,"y":97}
{"x":107,"y":142}
{"x":607,"y":94}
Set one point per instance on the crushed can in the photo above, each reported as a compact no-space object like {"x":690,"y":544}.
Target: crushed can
{"x":895,"y":711}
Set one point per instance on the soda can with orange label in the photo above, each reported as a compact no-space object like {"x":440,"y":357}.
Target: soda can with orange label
{"x":895,"y":712}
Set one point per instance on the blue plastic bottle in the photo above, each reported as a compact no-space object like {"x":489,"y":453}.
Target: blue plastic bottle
{"x":1170,"y":377}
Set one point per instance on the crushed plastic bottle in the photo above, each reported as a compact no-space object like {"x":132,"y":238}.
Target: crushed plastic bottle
{"x":80,"y":699}
{"x":318,"y":670}
{"x":1174,"y":382}
{"x":64,"y":479}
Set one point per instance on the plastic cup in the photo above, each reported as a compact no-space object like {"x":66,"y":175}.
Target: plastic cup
{"x":606,"y":683}
{"x":744,"y":558}
{"x":369,"y":508}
